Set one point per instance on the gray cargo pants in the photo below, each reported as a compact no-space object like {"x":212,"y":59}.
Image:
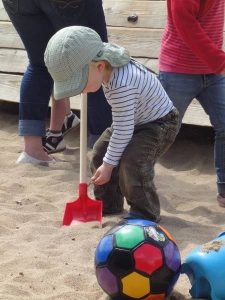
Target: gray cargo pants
{"x":133,"y":177}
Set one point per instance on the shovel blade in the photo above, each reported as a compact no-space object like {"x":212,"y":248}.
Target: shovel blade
{"x":76,"y":211}
{"x":83,"y":209}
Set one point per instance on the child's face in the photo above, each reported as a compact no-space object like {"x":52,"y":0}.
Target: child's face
{"x":96,"y":76}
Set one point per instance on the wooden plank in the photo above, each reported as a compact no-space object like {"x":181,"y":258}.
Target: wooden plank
{"x":3,"y":14}
{"x":195,"y":115}
{"x":9,"y":37}
{"x":151,"y":14}
{"x":141,"y":42}
{"x":13,"y":60}
{"x":10,"y":86}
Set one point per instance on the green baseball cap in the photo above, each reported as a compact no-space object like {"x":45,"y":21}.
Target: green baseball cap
{"x":69,"y":53}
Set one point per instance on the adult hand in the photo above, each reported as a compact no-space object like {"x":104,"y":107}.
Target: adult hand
{"x":102,"y":174}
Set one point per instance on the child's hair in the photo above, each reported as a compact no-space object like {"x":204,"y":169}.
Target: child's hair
{"x":108,"y":66}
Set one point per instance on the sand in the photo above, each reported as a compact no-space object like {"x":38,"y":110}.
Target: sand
{"x":41,"y":260}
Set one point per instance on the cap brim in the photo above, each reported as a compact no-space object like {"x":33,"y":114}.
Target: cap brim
{"x":116,"y":55}
{"x":72,"y":87}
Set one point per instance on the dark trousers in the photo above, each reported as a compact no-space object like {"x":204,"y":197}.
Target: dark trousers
{"x":133,"y":178}
{"x":36,"y":21}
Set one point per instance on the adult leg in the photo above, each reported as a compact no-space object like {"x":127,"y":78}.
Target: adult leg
{"x":58,"y":112}
{"x":181,"y":89}
{"x":61,"y":14}
{"x":53,"y":140}
{"x":109,"y":193}
{"x":35,"y":30}
{"x":212,"y":99}
{"x":61,"y":114}
{"x":61,"y":122}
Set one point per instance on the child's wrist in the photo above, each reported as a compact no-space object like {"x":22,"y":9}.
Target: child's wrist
{"x":108,"y":166}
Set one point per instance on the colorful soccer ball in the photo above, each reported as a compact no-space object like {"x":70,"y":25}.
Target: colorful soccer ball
{"x":137,"y":259}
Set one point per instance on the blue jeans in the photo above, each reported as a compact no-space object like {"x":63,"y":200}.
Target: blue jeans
{"x":209,"y":90}
{"x":36,"y":21}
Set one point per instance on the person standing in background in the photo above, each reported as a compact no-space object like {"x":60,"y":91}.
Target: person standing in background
{"x":192,"y":65}
{"x":36,"y":21}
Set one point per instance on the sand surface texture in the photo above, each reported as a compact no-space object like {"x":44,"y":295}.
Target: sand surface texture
{"x":41,"y":260}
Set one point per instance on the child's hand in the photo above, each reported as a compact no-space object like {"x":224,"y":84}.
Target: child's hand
{"x":103,"y":174}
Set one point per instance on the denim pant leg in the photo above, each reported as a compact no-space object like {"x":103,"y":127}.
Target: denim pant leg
{"x":110,"y":192}
{"x":181,"y":89}
{"x":136,"y":172}
{"x":212,"y":98}
{"x":35,"y":30}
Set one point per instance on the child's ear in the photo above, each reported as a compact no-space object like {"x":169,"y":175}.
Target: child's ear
{"x":101,"y":65}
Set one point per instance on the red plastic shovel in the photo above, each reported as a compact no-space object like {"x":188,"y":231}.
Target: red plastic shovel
{"x":83,"y":209}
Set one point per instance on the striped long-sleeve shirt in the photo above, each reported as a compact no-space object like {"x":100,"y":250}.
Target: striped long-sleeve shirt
{"x":136,"y":97}
{"x":193,"y":38}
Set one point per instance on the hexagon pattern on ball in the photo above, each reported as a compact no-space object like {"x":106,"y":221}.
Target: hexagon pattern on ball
{"x":137,"y":259}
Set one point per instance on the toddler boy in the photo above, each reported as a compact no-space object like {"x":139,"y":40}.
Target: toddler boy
{"x":145,"y":122}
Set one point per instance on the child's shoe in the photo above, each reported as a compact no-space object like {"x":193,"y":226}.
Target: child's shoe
{"x":71,"y":121}
{"x":53,"y":142}
{"x":221,"y":200}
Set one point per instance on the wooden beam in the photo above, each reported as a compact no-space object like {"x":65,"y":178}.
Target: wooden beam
{"x":141,"y":42}
{"x":10,"y":86}
{"x":9,"y":37}
{"x":13,"y":60}
{"x":195,"y":115}
{"x":151,"y":14}
{"x":3,"y":14}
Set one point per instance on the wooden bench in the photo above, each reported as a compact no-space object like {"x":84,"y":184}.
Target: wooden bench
{"x":142,"y":38}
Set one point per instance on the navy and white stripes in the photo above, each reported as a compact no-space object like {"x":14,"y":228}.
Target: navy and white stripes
{"x":136,"y":97}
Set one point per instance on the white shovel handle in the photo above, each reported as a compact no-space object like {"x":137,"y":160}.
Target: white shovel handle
{"x":83,"y":140}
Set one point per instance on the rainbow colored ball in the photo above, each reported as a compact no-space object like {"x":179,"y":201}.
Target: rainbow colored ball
{"x":137,"y":259}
